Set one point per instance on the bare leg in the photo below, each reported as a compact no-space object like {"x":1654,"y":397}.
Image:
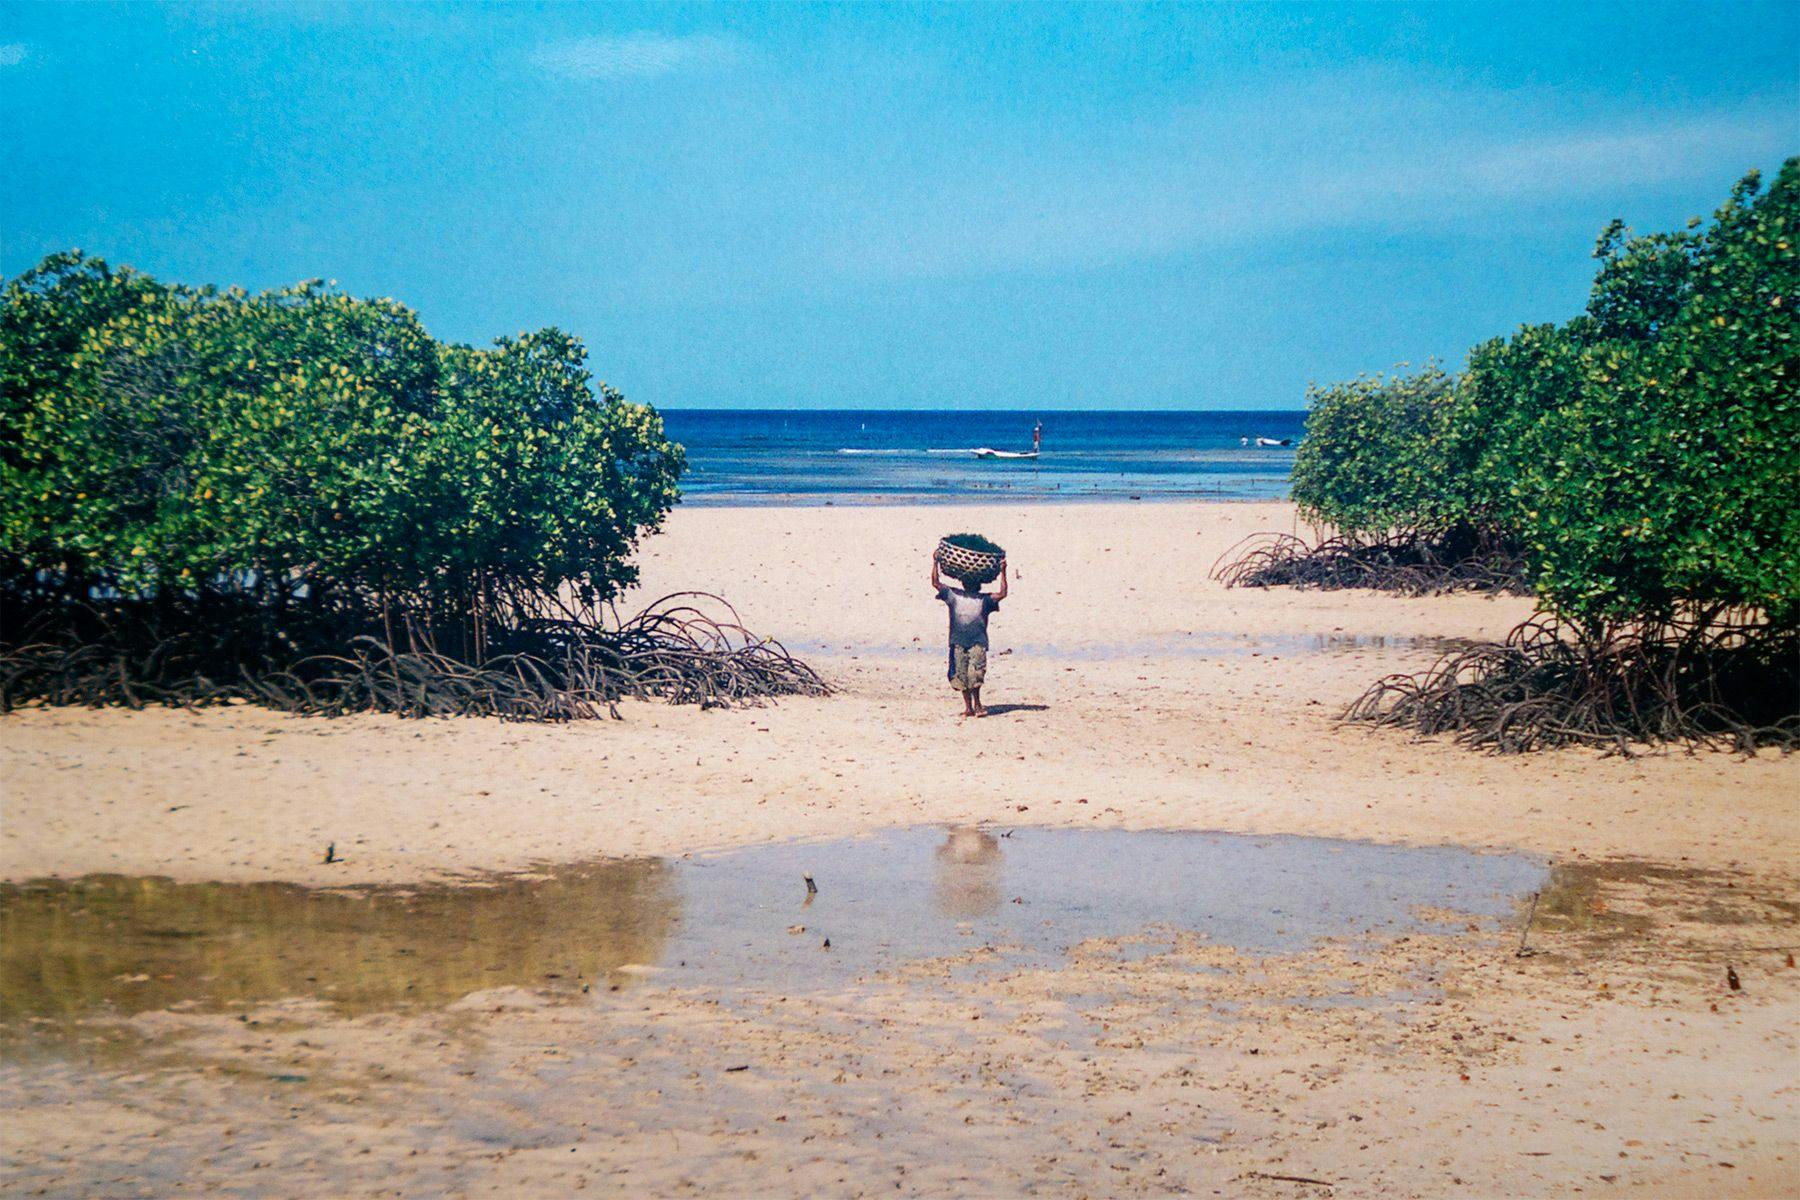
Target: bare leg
{"x":977,"y":707}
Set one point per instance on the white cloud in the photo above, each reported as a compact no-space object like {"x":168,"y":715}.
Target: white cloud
{"x":636,"y":55}
{"x":13,"y":53}
{"x":1189,"y":183}
{"x":1571,"y":162}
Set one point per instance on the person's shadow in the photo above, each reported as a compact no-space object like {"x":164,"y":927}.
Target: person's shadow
{"x":1000,"y":710}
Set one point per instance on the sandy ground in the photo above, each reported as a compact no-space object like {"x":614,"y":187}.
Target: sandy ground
{"x":1129,"y":691}
{"x":1133,"y":684}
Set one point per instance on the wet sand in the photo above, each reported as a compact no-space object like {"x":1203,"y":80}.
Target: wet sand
{"x":1434,"y":1064}
{"x":1138,"y":695}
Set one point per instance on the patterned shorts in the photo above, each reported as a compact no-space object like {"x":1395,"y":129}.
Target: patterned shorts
{"x":969,"y":668}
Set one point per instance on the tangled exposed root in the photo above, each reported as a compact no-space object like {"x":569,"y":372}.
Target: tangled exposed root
{"x":540,"y":670}
{"x":1411,"y":564}
{"x":1733,"y":686}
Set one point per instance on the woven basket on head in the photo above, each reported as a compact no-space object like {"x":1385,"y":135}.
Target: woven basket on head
{"x":974,"y":567}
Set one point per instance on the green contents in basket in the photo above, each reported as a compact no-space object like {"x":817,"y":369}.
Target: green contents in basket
{"x":970,"y":558}
{"x":975,"y":542}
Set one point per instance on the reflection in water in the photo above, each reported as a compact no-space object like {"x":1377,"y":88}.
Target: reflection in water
{"x":968,"y":874}
{"x":912,"y":894}
{"x":136,"y":945}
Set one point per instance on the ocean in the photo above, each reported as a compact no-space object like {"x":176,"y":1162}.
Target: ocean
{"x":845,"y":455}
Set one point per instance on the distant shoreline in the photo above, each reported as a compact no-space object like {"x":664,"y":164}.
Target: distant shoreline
{"x":982,"y":413}
{"x":845,"y":457}
{"x":951,"y":500}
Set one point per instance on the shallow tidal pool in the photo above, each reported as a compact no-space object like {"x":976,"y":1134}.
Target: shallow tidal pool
{"x":109,"y":946}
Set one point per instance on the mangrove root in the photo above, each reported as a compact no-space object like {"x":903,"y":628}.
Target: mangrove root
{"x":1726,"y":685}
{"x":1409,"y":563}
{"x":534,"y":668}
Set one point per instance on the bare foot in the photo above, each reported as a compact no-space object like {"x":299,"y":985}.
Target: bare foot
{"x":981,"y":712}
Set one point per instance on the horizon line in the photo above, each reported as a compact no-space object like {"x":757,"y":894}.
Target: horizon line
{"x":971,"y":411}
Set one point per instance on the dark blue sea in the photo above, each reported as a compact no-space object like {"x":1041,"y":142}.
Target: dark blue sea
{"x":772,"y":456}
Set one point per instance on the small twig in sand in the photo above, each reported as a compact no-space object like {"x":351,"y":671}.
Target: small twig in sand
{"x":1294,"y":1179}
{"x":1525,"y":951}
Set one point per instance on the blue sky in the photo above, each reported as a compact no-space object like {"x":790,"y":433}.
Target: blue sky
{"x":786,"y":206}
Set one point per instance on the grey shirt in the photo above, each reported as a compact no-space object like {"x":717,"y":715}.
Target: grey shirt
{"x":968,"y":618}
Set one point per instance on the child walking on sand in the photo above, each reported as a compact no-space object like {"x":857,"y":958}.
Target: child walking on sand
{"x":969,"y":610}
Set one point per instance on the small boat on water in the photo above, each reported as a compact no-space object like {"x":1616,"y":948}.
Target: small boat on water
{"x":990,"y":452}
{"x":1263,"y":441}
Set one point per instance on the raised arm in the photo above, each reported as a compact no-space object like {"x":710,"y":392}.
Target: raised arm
{"x":1001,"y":594}
{"x":937,"y":585}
